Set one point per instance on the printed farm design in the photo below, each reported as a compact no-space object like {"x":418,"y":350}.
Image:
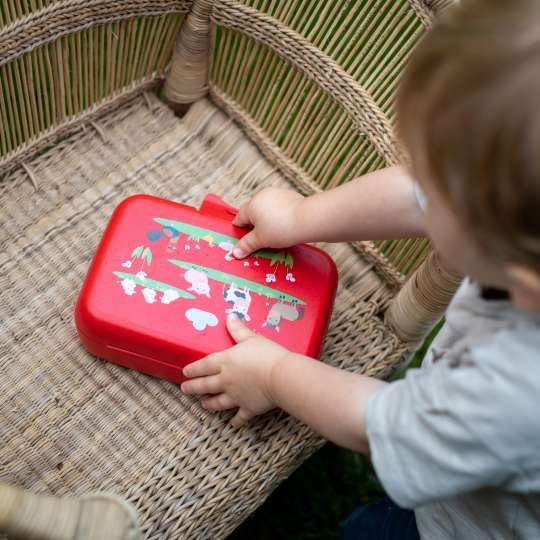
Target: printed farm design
{"x":194,"y":280}
{"x":149,"y":287}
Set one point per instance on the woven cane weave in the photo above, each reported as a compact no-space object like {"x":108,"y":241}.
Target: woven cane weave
{"x":70,"y":423}
{"x":317,"y":85}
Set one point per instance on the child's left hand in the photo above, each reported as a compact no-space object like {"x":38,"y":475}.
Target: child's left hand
{"x":239,"y":376}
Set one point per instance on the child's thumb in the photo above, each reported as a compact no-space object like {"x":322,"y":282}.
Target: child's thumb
{"x":247,"y":244}
{"x":239,"y":331}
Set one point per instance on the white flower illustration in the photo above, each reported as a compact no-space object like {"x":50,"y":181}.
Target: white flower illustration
{"x":126,"y":264}
{"x":290,"y":277}
{"x":141,"y":274}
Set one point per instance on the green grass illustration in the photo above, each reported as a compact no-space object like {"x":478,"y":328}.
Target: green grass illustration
{"x":198,"y":233}
{"x":253,"y":286}
{"x":153,"y":284}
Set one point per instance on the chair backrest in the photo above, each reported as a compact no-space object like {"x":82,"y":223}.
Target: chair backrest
{"x":318,"y":79}
{"x":63,"y":62}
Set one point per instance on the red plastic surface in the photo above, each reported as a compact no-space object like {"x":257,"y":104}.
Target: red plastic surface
{"x":163,"y":280}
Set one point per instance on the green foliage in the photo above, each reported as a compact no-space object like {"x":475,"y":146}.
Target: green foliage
{"x":196,"y":233}
{"x":418,"y":356}
{"x":253,"y":286}
{"x":147,"y":254}
{"x":281,"y":257}
{"x":137,"y":252}
{"x":141,"y":252}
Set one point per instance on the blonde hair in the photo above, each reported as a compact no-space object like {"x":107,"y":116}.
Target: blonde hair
{"x":469,"y":115}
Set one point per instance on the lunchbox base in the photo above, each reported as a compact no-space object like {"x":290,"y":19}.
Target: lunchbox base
{"x":133,"y":360}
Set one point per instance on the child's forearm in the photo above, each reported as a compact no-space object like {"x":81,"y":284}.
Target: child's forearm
{"x":379,"y":205}
{"x":330,"y":400}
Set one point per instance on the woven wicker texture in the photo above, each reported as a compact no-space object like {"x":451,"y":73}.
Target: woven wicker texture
{"x":70,"y":423}
{"x":319,"y":80}
{"x":302,"y":182}
{"x":62,"y":18}
{"x":62,"y":59}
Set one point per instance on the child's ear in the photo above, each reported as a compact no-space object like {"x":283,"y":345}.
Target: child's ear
{"x":524,"y":287}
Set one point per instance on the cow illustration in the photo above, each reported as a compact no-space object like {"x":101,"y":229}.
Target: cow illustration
{"x":280,"y":311}
{"x":240,"y":300}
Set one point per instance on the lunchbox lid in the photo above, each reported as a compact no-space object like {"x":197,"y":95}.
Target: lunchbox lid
{"x":163,"y":280}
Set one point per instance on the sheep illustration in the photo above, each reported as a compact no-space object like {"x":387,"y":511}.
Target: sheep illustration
{"x":199,"y":282}
{"x":280,"y":311}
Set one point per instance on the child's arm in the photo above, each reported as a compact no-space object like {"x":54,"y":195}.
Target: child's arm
{"x":257,"y":375}
{"x":379,"y":205}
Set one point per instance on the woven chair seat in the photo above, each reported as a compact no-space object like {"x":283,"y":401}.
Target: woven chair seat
{"x":71,"y":423}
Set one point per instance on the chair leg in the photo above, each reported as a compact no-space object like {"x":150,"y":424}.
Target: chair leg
{"x":25,"y":515}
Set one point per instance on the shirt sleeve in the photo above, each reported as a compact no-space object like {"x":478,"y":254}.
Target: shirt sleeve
{"x":457,"y":426}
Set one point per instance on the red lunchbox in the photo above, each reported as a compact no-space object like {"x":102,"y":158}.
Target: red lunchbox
{"x":163,"y":281}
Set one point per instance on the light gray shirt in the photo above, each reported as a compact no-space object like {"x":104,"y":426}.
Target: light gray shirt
{"x":459,"y":439}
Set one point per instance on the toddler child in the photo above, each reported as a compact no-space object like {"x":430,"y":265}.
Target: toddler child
{"x":458,"y":440}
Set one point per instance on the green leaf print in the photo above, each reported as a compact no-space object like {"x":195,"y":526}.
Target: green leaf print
{"x":153,"y":284}
{"x":137,"y":252}
{"x":212,"y":237}
{"x":147,"y":254}
{"x":253,"y":286}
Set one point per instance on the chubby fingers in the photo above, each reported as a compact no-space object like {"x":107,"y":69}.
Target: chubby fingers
{"x":204,"y":376}
{"x":238,"y":330}
{"x":209,"y":365}
{"x":241,"y":418}
{"x":242,"y":217}
{"x":249,"y":243}
{"x":203,"y":385}
{"x":220,"y":402}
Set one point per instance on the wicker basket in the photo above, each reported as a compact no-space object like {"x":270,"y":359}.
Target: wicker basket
{"x":291,"y":93}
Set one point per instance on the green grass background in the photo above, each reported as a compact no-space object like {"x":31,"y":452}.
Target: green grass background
{"x":315,"y":500}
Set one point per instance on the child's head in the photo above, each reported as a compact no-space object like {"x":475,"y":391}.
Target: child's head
{"x":469,"y":115}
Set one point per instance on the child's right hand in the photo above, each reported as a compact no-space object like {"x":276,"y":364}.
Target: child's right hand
{"x":273,"y":214}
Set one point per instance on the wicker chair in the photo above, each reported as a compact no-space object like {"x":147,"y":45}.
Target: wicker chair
{"x":296,"y":93}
